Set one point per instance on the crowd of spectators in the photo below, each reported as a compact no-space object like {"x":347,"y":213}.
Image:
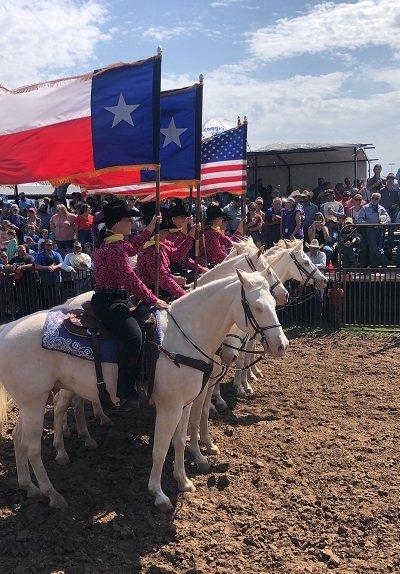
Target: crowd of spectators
{"x":45,"y":252}
{"x":332,"y":215}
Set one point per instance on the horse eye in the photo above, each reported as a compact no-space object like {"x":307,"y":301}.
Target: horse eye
{"x":307,"y":262}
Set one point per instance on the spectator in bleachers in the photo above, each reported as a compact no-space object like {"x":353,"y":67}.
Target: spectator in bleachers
{"x":24,"y":203}
{"x":390,"y":196}
{"x":63,"y":225}
{"x":4,"y":237}
{"x":338,"y":191}
{"x":260,"y":207}
{"x":48,"y":262}
{"x":374,"y":183}
{"x":291,"y":221}
{"x":234,"y":210}
{"x":309,"y":210}
{"x":44,"y":234}
{"x":348,"y":186}
{"x":355,"y":205}
{"x":374,"y":213}
{"x":318,"y":230}
{"x":31,"y":236}
{"x":330,"y":206}
{"x":254,"y":223}
{"x":32,"y":220}
{"x":350,"y":243}
{"x":25,"y":284}
{"x":16,"y":219}
{"x":319,"y":190}
{"x":12,"y":245}
{"x":84,"y":224}
{"x":44,"y":216}
{"x":317,"y":257}
{"x":272,"y":223}
{"x":78,"y":264}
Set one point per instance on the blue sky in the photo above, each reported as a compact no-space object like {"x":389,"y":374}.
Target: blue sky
{"x":301,"y":71}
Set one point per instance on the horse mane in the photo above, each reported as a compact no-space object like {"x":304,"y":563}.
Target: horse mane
{"x":275,"y":253}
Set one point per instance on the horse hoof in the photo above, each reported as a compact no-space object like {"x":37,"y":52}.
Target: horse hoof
{"x":213,"y":412}
{"x":221,"y":406}
{"x":165,"y":507}
{"x":212,"y":449}
{"x":203,"y":466}
{"x":32,"y":491}
{"x":241,"y":393}
{"x":188,"y":486}
{"x":249,"y":390}
{"x":106,"y":421}
{"x":58,"y":501}
{"x":90,"y":443}
{"x":62,"y":459}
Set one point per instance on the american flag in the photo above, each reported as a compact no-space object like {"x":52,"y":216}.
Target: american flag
{"x":223,"y":162}
{"x":223,"y":168}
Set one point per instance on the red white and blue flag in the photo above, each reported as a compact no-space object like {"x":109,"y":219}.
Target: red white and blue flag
{"x":76,"y":126}
{"x":223,"y":168}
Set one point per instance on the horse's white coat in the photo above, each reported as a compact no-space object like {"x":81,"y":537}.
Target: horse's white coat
{"x":206,"y":315}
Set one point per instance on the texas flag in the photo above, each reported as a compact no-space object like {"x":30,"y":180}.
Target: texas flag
{"x":77,"y":126}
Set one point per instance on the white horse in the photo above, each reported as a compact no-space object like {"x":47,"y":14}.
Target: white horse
{"x":204,"y":316}
{"x":289,"y":261}
{"x":63,"y":399}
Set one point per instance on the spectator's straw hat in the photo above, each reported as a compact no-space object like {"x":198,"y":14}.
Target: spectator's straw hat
{"x":295,"y":193}
{"x":390,"y":176}
{"x":314,"y":243}
{"x":332,"y":218}
{"x":306,"y":193}
{"x":348,"y":220}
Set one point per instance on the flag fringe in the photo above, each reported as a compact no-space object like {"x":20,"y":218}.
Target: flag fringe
{"x":70,"y":179}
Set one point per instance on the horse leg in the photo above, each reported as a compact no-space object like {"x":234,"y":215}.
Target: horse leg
{"x":194,"y":424}
{"x":100,"y":415}
{"x":204,"y":428}
{"x":179,"y":442}
{"x":167,"y":420}
{"x":81,"y":423}
{"x":237,"y":382}
{"x":247,"y":373}
{"x":21,"y":459}
{"x":32,"y":429}
{"x":62,"y":401}
{"x":218,"y":400}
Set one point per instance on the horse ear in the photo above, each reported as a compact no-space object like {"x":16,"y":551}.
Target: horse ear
{"x":260,"y":251}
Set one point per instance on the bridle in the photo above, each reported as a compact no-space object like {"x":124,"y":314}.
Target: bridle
{"x":254,"y":268}
{"x":250,"y":319}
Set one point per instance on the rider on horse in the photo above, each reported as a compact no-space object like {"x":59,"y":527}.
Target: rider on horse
{"x":216,"y":242}
{"x":115,"y":282}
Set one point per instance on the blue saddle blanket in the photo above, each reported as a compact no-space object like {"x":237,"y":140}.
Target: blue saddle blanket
{"x":55,"y":337}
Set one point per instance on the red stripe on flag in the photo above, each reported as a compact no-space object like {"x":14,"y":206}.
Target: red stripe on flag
{"x":224,"y":180}
{"x":216,"y":169}
{"x":34,"y":155}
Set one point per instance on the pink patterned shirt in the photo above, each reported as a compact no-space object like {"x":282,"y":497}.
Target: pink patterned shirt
{"x":217,"y":245}
{"x":182,"y":244}
{"x":112,"y":268}
{"x":146,"y":268}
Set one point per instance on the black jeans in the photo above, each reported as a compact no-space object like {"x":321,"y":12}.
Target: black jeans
{"x":117,"y":318}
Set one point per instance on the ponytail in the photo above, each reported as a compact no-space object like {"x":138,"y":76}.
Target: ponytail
{"x":101,"y":236}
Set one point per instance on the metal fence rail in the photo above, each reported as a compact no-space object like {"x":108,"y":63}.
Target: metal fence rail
{"x":360,"y":297}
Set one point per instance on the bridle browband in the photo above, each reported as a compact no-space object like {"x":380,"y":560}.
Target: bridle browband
{"x":254,"y":268}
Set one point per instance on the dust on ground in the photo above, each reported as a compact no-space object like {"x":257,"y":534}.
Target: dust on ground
{"x":307,"y":480}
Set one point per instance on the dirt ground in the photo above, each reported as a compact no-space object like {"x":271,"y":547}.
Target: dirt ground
{"x":307,"y":481}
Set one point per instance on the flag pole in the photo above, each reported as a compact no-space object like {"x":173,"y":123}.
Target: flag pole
{"x":157,"y":227}
{"x":243,"y":196}
{"x":198,"y":232}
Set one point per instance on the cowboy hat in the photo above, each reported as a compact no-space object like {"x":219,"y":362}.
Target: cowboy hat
{"x":177,"y":210}
{"x":116,"y":210}
{"x":348,"y":220}
{"x":215,"y":212}
{"x":314,"y":243}
{"x":149,"y":210}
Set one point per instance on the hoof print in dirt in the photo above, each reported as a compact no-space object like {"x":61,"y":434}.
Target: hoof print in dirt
{"x":223,"y":482}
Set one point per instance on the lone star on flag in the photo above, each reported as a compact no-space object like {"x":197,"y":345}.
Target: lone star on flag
{"x":172,"y":133}
{"x":122,"y":111}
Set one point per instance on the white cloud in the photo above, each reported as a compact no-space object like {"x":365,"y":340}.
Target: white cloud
{"x":304,"y":108}
{"x":329,"y":27}
{"x":223,"y":3}
{"x":167,"y":32}
{"x":40,"y":38}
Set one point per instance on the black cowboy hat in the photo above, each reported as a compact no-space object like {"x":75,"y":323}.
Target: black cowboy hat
{"x":214,"y":212}
{"x":116,"y":210}
{"x":177,"y":210}
{"x":149,"y":210}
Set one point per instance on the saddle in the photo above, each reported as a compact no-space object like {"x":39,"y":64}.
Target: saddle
{"x":84,"y":323}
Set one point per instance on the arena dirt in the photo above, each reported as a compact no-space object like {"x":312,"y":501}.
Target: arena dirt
{"x":307,"y":481}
